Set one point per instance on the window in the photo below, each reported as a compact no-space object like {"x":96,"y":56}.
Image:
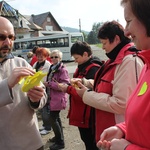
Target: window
{"x":48,"y":19}
{"x":49,"y":28}
{"x":76,"y":38}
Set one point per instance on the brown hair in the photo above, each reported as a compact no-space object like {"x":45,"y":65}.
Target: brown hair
{"x":141,"y":9}
{"x":110,"y":29}
{"x":34,"y":49}
{"x":42,"y":51}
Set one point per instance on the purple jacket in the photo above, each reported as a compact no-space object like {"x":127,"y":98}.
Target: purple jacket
{"x":58,"y":99}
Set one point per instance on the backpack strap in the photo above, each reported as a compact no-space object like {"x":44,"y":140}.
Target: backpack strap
{"x":83,"y":74}
{"x":136,"y":54}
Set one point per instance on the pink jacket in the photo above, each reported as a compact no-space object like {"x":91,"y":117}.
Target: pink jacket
{"x":58,"y":99}
{"x":137,"y":117}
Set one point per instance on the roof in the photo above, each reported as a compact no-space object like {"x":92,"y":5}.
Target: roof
{"x":7,"y":10}
{"x":34,"y":26}
{"x":53,"y":32}
{"x":33,"y":23}
{"x":39,"y":19}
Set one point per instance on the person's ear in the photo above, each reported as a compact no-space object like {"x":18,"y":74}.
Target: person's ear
{"x":85,"y":54}
{"x":117,"y":39}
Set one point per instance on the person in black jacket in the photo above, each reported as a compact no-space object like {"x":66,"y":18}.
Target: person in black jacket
{"x":80,"y":114}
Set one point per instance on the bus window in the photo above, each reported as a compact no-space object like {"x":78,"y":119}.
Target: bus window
{"x":76,"y":38}
{"x":39,"y":43}
{"x":16,"y":46}
{"x":46,"y":43}
{"x":66,"y":41}
{"x":31,"y":44}
{"x":24,"y":45}
{"x":61,"y":42}
{"x":54,"y":43}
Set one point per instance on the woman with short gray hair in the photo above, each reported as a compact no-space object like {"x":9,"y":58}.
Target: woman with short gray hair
{"x":58,"y":100}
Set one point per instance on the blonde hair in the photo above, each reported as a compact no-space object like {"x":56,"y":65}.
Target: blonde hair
{"x":48,"y":51}
{"x":29,"y":54}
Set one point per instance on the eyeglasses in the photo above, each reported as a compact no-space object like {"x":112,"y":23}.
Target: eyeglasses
{"x":54,"y":57}
{"x":3,"y":37}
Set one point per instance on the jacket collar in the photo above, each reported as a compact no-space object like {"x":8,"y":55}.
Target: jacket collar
{"x":113,"y":54}
{"x":122,"y":53}
{"x":146,"y":56}
{"x":82,"y":66}
{"x":9,"y":56}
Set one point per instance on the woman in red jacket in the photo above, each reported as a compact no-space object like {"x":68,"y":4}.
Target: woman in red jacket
{"x":134,"y":133}
{"x":115,"y":81}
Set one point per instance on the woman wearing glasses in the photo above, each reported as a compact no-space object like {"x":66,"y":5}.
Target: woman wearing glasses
{"x":57,"y":74}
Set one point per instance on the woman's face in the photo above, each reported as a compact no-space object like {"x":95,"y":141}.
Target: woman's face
{"x":55,"y":58}
{"x":107,"y":46}
{"x":80,"y":59}
{"x":135,"y":29}
{"x":41,"y":58}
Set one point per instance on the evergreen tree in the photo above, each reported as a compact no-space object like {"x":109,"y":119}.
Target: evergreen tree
{"x":92,"y":36}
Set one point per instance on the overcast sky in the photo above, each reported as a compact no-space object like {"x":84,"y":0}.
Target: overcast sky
{"x":68,"y":12}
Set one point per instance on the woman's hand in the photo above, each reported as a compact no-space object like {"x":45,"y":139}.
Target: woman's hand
{"x":63,"y":87}
{"x":104,"y":145}
{"x":109,"y":134}
{"x":75,"y":80}
{"x":81,"y":89}
{"x":119,"y":144}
